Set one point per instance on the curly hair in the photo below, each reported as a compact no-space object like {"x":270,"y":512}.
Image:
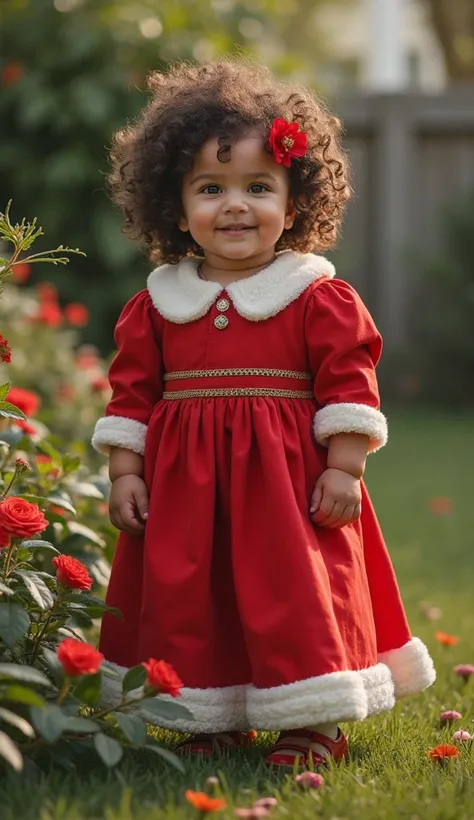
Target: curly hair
{"x":191,"y":104}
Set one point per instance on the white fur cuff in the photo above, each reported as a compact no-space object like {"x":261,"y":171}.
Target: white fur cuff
{"x":411,"y":667}
{"x":117,"y":431}
{"x":214,"y":710}
{"x":351,"y":418}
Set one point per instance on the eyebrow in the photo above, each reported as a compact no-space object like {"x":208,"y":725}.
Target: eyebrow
{"x":262,"y":175}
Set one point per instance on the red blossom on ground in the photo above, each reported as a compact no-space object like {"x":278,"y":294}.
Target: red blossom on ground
{"x":78,"y":658}
{"x":5,"y":350}
{"x":21,"y":518}
{"x":449,"y":716}
{"x":287,"y":141}
{"x":26,"y":401}
{"x":443,"y":752}
{"x":11,"y":73}
{"x":76,"y":314}
{"x":161,"y":678}
{"x":441,"y":505}
{"x":465,"y":670}
{"x":203,"y":803}
{"x":445,"y":639}
{"x":21,"y":273}
{"x":309,"y":780}
{"x":71,"y":573}
{"x":461,"y":734}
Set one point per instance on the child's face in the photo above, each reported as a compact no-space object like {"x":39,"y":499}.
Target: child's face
{"x":236,"y":210}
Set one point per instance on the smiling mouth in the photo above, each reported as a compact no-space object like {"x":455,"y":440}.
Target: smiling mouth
{"x":237,"y":229}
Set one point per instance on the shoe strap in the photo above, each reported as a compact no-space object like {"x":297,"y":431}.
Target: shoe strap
{"x":326,"y":742}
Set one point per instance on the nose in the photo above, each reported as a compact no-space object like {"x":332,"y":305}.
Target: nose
{"x":235,"y":202}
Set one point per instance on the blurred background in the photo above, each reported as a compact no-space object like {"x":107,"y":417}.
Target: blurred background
{"x":400,"y":73}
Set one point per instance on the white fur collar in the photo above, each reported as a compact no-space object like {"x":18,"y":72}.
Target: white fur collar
{"x":180,"y":296}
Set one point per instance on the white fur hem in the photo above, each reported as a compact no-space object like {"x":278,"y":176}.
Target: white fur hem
{"x":411,"y":667}
{"x":351,"y":418}
{"x":180,"y":296}
{"x":117,"y":431}
{"x":334,"y":697}
{"x":214,"y":710}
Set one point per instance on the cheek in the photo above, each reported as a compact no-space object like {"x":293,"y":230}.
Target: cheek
{"x":202,"y":217}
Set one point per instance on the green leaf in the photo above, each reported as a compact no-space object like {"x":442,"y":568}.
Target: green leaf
{"x":18,"y":722}
{"x":51,"y":451}
{"x":9,"y":411}
{"x":37,"y":589}
{"x":89,"y":535}
{"x":135,"y":677}
{"x":166,"y":709}
{"x":49,"y":721}
{"x":14,"y":623}
{"x":93,"y":603}
{"x":170,"y":757}
{"x":86,"y":490}
{"x":20,"y":694}
{"x":37,"y":544}
{"x":108,"y":749}
{"x":79,"y":617}
{"x":4,"y":388}
{"x":87,"y":690}
{"x":80,"y":725}
{"x":61,"y":502}
{"x":10,"y":752}
{"x":133,"y":728}
{"x":6,"y":590}
{"x":27,"y":674}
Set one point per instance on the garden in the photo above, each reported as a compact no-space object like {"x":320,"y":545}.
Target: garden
{"x":63,"y":755}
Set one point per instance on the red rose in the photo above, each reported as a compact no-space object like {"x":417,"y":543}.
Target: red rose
{"x":50,"y":314}
{"x":161,"y":677}
{"x":47,"y":292}
{"x":100,"y":383}
{"x":25,"y":400}
{"x":71,"y":573}
{"x":76,"y":314}
{"x":78,"y":658}
{"x":27,"y":428}
{"x":11,"y":73}
{"x":21,"y":518}
{"x":21,"y":273}
{"x":5,"y":350}
{"x":287,"y":141}
{"x":4,"y":538}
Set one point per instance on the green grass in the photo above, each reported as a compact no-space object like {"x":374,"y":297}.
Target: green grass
{"x":389,"y":775}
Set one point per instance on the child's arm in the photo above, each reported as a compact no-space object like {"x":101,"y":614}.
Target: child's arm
{"x":344,"y":347}
{"x":135,"y":377}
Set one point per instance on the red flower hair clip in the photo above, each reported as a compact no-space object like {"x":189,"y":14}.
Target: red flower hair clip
{"x":287,"y":141}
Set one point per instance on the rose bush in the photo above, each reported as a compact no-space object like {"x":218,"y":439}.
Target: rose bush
{"x":50,"y":677}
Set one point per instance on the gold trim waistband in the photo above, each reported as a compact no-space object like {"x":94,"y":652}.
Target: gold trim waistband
{"x":236,"y":371}
{"x":221,"y":392}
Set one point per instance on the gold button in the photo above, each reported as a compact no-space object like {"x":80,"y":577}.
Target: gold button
{"x":223,"y":305}
{"x":221,"y":322}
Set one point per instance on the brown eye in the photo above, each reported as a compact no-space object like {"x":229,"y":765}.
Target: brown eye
{"x":210,"y":189}
{"x":261,"y":189}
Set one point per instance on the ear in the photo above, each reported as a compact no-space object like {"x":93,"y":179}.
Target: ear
{"x":183,"y":224}
{"x":290,"y":215}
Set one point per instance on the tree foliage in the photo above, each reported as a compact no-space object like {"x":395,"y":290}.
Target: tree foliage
{"x":73,"y":71}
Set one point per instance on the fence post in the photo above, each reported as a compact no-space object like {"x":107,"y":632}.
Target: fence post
{"x":393,"y":159}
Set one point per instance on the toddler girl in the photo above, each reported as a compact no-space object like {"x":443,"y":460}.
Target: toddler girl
{"x":244,"y":405}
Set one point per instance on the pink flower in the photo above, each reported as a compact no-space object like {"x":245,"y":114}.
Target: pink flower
{"x":465,"y":670}
{"x":266,"y":803}
{"x":309,"y":780}
{"x":253,"y":813}
{"x":449,"y":716}
{"x":461,"y":734}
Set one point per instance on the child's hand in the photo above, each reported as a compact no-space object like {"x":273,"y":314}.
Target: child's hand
{"x":128,"y":504}
{"x":336,"y":500}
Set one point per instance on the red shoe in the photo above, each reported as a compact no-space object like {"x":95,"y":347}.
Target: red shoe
{"x":209,"y":745}
{"x":294,"y":753}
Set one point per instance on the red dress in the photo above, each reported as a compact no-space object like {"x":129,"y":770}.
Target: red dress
{"x":231,"y":395}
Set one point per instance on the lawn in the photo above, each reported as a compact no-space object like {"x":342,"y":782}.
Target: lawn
{"x":428,"y":464}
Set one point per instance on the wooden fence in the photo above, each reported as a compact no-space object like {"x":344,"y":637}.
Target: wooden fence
{"x":411,"y":156}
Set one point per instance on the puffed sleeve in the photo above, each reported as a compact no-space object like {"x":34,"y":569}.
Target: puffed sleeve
{"x":135,"y":376}
{"x":344,"y":347}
